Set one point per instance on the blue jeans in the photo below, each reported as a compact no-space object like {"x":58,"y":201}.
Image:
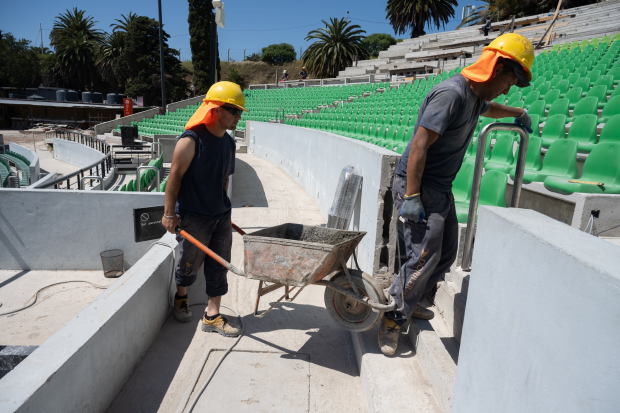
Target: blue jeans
{"x":431,"y":247}
{"x":217,"y":236}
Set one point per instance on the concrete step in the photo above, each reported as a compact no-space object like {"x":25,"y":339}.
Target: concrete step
{"x":450,"y":303}
{"x":393,"y":384}
{"x":437,"y":353}
{"x":241,"y":148}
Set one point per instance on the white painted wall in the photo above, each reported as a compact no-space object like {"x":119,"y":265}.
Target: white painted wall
{"x":542,"y":328}
{"x":314,"y":159}
{"x":32,"y":156}
{"x":84,"y":365}
{"x":75,"y":153}
{"x":89,"y":222}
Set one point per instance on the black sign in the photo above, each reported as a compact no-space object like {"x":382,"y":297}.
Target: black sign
{"x":147,"y":223}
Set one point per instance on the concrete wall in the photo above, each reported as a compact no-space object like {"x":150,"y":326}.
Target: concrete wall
{"x":168,"y":143}
{"x":32,"y":220}
{"x":84,"y":365}
{"x":314,"y":159}
{"x":105,"y":127}
{"x":541,"y":329}
{"x":75,"y":153}
{"x":47,"y":178}
{"x":31,"y":156}
{"x":184,"y":103}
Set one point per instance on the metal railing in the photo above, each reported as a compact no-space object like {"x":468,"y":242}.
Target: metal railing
{"x":101,"y":168}
{"x":475,"y":188}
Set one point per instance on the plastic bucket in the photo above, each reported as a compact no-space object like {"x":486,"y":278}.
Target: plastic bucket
{"x":112,"y":261}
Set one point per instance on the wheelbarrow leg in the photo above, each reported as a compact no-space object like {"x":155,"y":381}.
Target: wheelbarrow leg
{"x":286,"y":291}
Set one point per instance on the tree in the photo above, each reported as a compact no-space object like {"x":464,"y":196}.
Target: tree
{"x":124,"y":24}
{"x":334,"y":48}
{"x":199,"y":20}
{"x":254,"y":57}
{"x":71,"y":23}
{"x":504,"y":9}
{"x":138,"y":64}
{"x":279,"y":53}
{"x":234,"y":76}
{"x":108,"y":54}
{"x":378,"y":42}
{"x":21,"y":65}
{"x":414,"y":15}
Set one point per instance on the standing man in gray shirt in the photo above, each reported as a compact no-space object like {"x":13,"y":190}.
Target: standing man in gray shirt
{"x":422,"y":187}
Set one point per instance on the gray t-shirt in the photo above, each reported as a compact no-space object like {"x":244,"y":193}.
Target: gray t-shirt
{"x":451,"y":109}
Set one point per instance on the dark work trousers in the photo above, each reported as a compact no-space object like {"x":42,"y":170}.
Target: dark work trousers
{"x":486,"y":32}
{"x":431,"y":247}
{"x":215,"y":234}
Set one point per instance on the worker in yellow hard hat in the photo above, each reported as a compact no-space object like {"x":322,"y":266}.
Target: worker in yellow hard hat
{"x":303,"y":74}
{"x":422,"y":186}
{"x":197,"y":201}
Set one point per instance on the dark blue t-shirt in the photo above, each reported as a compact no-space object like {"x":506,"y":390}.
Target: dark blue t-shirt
{"x":203,"y":187}
{"x":451,"y":109}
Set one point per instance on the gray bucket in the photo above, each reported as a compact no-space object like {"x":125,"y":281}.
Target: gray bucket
{"x":112,"y":261}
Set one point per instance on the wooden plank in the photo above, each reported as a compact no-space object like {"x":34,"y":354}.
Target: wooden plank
{"x":528,"y":21}
{"x":557,"y":10}
{"x":529,"y":29}
{"x":577,"y":181}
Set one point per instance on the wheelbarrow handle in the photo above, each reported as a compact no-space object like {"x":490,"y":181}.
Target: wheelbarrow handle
{"x":207,"y":251}
{"x":236,"y":228}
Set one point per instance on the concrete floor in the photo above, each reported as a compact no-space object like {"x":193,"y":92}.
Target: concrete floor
{"x":54,"y":307}
{"x":263,"y":196}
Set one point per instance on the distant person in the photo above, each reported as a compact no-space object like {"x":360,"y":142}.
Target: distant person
{"x":487,"y":26}
{"x":303,"y":73}
{"x":284,"y":76}
{"x":197,"y":201}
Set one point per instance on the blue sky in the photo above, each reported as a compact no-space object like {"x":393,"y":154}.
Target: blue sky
{"x":250,"y":25}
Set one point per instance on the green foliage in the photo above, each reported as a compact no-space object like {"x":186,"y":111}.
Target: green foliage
{"x":124,"y":24}
{"x":138,"y":65}
{"x":21,"y":66}
{"x":279,"y":53}
{"x":254,"y":57}
{"x":414,"y":15}
{"x":334,"y":48}
{"x":71,"y":23}
{"x":234,"y":76}
{"x":199,"y":19}
{"x":108,"y":53}
{"x":378,"y":42}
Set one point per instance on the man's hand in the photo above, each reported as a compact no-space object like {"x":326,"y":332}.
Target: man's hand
{"x":524,"y":120}
{"x":412,"y":208}
{"x":170,"y":223}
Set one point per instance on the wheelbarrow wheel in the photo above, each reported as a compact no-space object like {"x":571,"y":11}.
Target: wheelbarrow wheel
{"x":348,"y":313}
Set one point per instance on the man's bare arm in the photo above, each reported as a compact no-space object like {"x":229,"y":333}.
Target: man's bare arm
{"x":183,"y":154}
{"x":417,"y":158}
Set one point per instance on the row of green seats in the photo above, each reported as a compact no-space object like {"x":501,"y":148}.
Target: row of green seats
{"x":146,"y":176}
{"x":22,"y":163}
{"x":5,"y":171}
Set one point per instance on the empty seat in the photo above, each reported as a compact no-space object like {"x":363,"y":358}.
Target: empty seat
{"x":559,"y":107}
{"x":492,"y":193}
{"x":501,"y":154}
{"x":599,"y":92}
{"x":461,"y":186}
{"x":560,"y":160}
{"x":601,"y":173}
{"x":612,"y":108}
{"x":586,"y":106}
{"x":574,"y":95}
{"x":583,"y":131}
{"x":538,"y":108}
{"x":555,"y":128}
{"x":533,"y":160}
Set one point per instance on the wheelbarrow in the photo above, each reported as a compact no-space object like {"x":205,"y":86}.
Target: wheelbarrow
{"x":295,"y":256}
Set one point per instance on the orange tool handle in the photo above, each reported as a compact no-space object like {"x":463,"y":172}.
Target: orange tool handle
{"x":210,"y":253}
{"x":236,"y":228}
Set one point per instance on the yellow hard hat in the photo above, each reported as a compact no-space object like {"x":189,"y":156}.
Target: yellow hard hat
{"x":226,"y":92}
{"x":516,"y":46}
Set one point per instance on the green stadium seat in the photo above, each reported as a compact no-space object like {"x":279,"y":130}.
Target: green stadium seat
{"x":492,"y":193}
{"x":531,"y":97}
{"x":502,"y":156}
{"x":533,"y":160}
{"x":583,"y":131}
{"x":559,"y":107}
{"x":461,"y":186}
{"x":560,"y":160}
{"x":611,"y":109}
{"x":601,"y":166}
{"x":538,"y":108}
{"x":586,"y":106}
{"x":599,"y":92}
{"x":554,"y":129}
{"x":551,"y":96}
{"x":574,"y":95}
{"x":572,"y":78}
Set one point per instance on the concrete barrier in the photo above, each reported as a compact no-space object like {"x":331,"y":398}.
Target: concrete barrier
{"x":106,"y":127}
{"x":35,"y":169}
{"x":47,"y":178}
{"x":315,"y":159}
{"x":182,"y":104}
{"x":76,"y":154}
{"x":32,"y":220}
{"x":85,"y":364}
{"x":541,"y":328}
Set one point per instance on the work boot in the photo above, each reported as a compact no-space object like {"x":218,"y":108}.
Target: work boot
{"x":220,"y":325}
{"x":423,"y":313}
{"x":388,"y":336}
{"x":182,"y":312}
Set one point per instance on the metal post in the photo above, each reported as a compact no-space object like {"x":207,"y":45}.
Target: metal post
{"x":93,"y":177}
{"x":512,"y":25}
{"x":41,"y":37}
{"x":475,"y":188}
{"x":138,"y":189}
{"x":213,"y":54}
{"x":228,"y":55}
{"x":243,"y":54}
{"x":161,"y":60}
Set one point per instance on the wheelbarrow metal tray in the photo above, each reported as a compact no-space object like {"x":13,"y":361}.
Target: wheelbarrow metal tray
{"x":295,"y":254}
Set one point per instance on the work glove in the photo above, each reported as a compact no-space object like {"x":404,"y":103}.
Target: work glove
{"x":412,"y":208}
{"x":525,"y":120}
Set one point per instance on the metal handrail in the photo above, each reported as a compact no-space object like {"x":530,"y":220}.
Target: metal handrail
{"x":475,"y":188}
{"x":105,"y":163}
{"x":100,"y":179}
{"x":283,"y":114}
{"x":153,"y":148}
{"x":138,"y":189}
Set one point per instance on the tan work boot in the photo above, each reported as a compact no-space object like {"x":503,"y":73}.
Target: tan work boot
{"x":182,"y":312}
{"x":220,"y":325}
{"x":423,"y":313}
{"x":388,"y":336}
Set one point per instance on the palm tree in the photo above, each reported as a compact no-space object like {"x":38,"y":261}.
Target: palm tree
{"x":72,"y":22}
{"x":334,"y":48}
{"x":123,"y":25}
{"x":107,"y":53}
{"x":75,"y":59}
{"x":415,"y":14}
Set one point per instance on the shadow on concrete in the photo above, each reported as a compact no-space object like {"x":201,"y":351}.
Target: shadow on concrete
{"x":13,"y":278}
{"x":247,"y":187}
{"x":8,"y":243}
